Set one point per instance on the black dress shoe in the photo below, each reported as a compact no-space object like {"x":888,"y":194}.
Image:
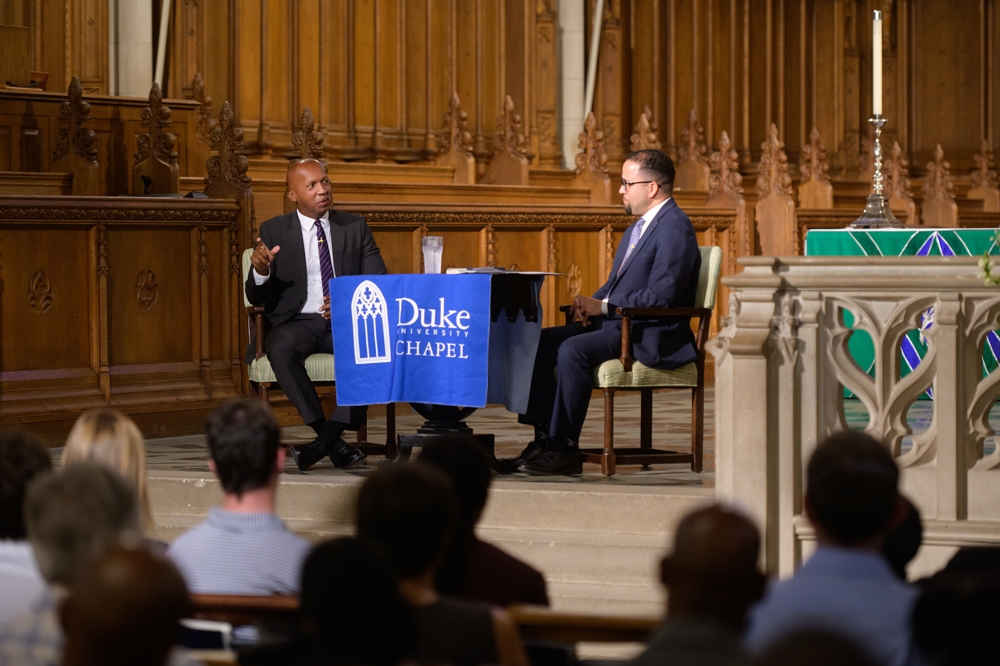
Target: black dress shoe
{"x":307,"y":455}
{"x":535,"y":448}
{"x":564,"y":460}
{"x":343,"y":455}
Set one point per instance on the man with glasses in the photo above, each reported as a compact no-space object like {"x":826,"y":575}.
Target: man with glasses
{"x":656,"y":266}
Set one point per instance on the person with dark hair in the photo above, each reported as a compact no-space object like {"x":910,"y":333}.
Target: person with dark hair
{"x":847,"y":587}
{"x":124,"y":610}
{"x":408,"y":512}
{"x":815,"y":648}
{"x":71,"y":518}
{"x":473,"y":569}
{"x":712,"y":578}
{"x":242,"y":547}
{"x":656,"y":266}
{"x":338,"y":609}
{"x":901,"y":544}
{"x":22,"y":458}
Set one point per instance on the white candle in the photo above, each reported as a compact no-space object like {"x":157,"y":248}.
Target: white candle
{"x":877,"y":64}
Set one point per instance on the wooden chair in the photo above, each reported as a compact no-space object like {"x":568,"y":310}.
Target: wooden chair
{"x":319,"y":367}
{"x":627,"y":374}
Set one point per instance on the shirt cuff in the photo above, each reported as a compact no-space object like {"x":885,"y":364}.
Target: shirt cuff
{"x":604,"y":307}
{"x":259,"y":279}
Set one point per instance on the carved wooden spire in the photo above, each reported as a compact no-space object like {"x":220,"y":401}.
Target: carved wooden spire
{"x":897,"y":184}
{"x":645,"y":132}
{"x":155,"y":170}
{"x":773,"y":177}
{"x":815,"y":189}
{"x":203,"y":115}
{"x":227,"y":171}
{"x":456,"y":143}
{"x":939,"y":208}
{"x":692,"y":166}
{"x":509,"y":165}
{"x":592,"y":163}
{"x":306,"y":141}
{"x":984,"y":179}
{"x":75,"y":152}
{"x":725,"y":179}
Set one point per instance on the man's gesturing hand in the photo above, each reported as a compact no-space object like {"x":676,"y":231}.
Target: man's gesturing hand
{"x":585,"y":307}
{"x":262,"y":257}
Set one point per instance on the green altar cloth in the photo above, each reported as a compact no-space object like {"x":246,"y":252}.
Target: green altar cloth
{"x":902,"y":243}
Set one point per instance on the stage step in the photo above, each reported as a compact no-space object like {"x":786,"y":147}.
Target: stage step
{"x":598,"y":544}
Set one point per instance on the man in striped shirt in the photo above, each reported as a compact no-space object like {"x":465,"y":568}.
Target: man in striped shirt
{"x":242,"y":547}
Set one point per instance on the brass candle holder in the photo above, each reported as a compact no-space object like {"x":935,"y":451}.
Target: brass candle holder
{"x":877,"y":214}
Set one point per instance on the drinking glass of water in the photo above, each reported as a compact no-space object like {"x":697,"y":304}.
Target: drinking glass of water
{"x":432,"y":246}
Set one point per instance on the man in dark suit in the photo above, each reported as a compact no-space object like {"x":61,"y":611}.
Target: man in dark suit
{"x":294,"y":258}
{"x":656,"y":265}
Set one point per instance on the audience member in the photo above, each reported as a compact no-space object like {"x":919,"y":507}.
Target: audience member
{"x":813,"y":648}
{"x":242,"y":547}
{"x":22,"y":458}
{"x":959,"y":609}
{"x":473,"y":569}
{"x":409,"y":512}
{"x":124,"y":610}
{"x":70,"y":517}
{"x":110,"y":438}
{"x":712,"y":579}
{"x":901,"y":544}
{"x":339,"y":609}
{"x":846,"y":587}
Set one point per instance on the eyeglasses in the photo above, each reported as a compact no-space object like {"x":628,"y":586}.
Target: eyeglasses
{"x":627,"y":184}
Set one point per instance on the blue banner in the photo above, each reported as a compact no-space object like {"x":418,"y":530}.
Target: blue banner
{"x":411,"y":338}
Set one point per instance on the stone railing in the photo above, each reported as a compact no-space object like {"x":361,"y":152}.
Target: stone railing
{"x":782,"y":363}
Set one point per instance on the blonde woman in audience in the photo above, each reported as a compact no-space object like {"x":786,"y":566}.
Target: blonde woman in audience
{"x":110,"y":438}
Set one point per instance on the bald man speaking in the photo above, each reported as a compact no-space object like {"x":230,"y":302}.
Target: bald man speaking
{"x":294,"y":259}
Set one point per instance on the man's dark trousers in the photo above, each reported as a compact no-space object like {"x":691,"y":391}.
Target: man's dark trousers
{"x":288,"y":346}
{"x":563,"y":404}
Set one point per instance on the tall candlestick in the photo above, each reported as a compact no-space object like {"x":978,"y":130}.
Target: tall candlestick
{"x":877,"y":64}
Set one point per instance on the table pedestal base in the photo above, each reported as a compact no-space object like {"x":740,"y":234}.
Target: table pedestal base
{"x":406,"y":444}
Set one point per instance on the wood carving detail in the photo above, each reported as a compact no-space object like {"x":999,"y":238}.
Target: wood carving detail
{"x":645,"y":136}
{"x":156,"y":117}
{"x":306,"y":141}
{"x":550,"y":232}
{"x":227,"y":165}
{"x":773,"y":177}
{"x":897,"y":169}
{"x":456,"y":136}
{"x":593,"y":159}
{"x":813,"y":164}
{"x":204,"y":120}
{"x":102,"y":251}
{"x":146,"y":290}
{"x":574,"y":280}
{"x":725,"y":178}
{"x":116,"y":214}
{"x":938,"y":183}
{"x":40,"y":292}
{"x":74,"y":113}
{"x":203,"y":250}
{"x":983,"y":173}
{"x":508,"y":139}
{"x":609,"y":247}
{"x":491,"y":255}
{"x":693,"y":148}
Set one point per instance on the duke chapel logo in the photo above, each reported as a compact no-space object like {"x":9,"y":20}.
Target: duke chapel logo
{"x":371,"y":325}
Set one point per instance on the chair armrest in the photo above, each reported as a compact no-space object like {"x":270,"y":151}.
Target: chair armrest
{"x":565,"y":309}
{"x":257,"y":313}
{"x":664,"y":312}
{"x":704,"y":315}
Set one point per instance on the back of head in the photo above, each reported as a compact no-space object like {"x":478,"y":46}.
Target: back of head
{"x":110,"y":438}
{"x":124,"y":610}
{"x":466,"y":466}
{"x":243,"y":440}
{"x":76,"y":514}
{"x":816,"y":648}
{"x":22,"y":458}
{"x":903,"y":542}
{"x":713,"y":571}
{"x":409,"y":512}
{"x":339,"y":608}
{"x":852,"y":490}
{"x":655,"y":165}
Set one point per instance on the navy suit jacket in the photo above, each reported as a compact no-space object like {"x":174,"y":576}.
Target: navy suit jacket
{"x":661,"y":272}
{"x":284,"y":294}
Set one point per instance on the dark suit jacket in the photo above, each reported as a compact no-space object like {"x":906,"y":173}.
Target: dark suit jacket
{"x":284,"y":294}
{"x":499,"y":578}
{"x":661,"y":272}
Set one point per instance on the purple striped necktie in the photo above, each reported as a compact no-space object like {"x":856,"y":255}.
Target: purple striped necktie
{"x":636,"y":233}
{"x":325,"y":263}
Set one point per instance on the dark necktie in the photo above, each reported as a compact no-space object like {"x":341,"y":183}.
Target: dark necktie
{"x":636,"y":233}
{"x":325,"y":263}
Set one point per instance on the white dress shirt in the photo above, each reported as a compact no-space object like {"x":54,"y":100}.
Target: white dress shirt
{"x":643,"y":224}
{"x":314,"y":277}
